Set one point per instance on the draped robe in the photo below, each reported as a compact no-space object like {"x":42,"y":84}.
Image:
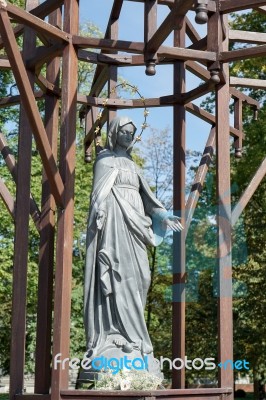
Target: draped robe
{"x":117,"y":274}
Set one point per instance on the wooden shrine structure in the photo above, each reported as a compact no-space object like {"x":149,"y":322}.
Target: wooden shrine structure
{"x":56,"y":24}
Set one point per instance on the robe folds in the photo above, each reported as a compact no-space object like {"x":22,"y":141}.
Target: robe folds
{"x":117,"y":274}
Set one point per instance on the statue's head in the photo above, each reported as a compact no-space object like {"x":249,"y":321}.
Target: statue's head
{"x":121,"y":131}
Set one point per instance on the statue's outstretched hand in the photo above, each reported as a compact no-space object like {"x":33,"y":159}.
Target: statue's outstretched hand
{"x":173,"y":223}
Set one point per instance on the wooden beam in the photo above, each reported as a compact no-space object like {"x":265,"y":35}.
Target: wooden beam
{"x":179,"y":248}
{"x":112,"y":59}
{"x":13,"y":100}
{"x":32,"y":396}
{"x":7,"y":198}
{"x":112,"y":33}
{"x":18,"y":30}
{"x":30,"y":106}
{"x":238,"y":124}
{"x":197,"y":92}
{"x":198,"y":70}
{"x":242,"y":54}
{"x":185,"y":54}
{"x":46,"y":86}
{"x":191,"y":32}
{"x":200,"y":45}
{"x":34,"y":22}
{"x":210,"y":118}
{"x":261,"y":9}
{"x":150,"y":27}
{"x":248,"y":83}
{"x":91,"y":132}
{"x":47,"y":237}
{"x":114,"y":15}
{"x":40,"y":11}
{"x":21,"y":237}
{"x":223,"y":215}
{"x":173,"y":20}
{"x":247,"y":37}
{"x":130,"y":103}
{"x":64,"y":249}
{"x":169,"y":3}
{"x":229,"y":6}
{"x":46,"y":8}
{"x":204,"y":74}
{"x":237,"y":94}
{"x":249,"y":191}
{"x":108,"y":44}
{"x":101,"y":80}
{"x":211,"y":6}
{"x":199,"y":179}
{"x":12,"y":166}
{"x":4,"y":63}
{"x":115,"y":12}
{"x":43,"y":55}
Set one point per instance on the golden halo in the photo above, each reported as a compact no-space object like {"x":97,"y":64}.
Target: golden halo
{"x":105,"y":101}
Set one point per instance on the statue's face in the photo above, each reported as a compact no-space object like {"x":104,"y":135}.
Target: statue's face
{"x":125,"y":135}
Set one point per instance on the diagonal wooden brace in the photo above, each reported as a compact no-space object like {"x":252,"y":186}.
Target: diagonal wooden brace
{"x":12,"y":166}
{"x":7,"y":199}
{"x":34,"y":22}
{"x":29,"y":103}
{"x":249,"y":191}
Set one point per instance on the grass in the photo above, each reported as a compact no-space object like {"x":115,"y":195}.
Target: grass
{"x":4,"y":396}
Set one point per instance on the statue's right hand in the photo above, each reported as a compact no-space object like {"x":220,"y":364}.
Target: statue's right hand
{"x":100,"y":219}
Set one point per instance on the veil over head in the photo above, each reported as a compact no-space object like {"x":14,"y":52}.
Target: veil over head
{"x":115,"y":125}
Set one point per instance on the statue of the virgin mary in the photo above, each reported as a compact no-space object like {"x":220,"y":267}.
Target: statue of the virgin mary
{"x":124,"y":218}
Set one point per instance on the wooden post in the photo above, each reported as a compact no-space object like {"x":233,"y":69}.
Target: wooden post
{"x":19,"y":293}
{"x":238,"y":124}
{"x":112,"y":33}
{"x":224,"y":257}
{"x":150,"y":26}
{"x":46,"y":255}
{"x":62,"y":302}
{"x":179,"y":260}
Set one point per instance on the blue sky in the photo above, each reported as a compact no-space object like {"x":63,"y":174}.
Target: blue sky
{"x":131,"y":28}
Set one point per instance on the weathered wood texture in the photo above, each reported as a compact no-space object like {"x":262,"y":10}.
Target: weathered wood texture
{"x":179,"y":178}
{"x":223,"y":185}
{"x":189,"y":394}
{"x":20,"y":263}
{"x":249,"y":191}
{"x":228,"y":6}
{"x":248,"y":83}
{"x":36,"y":23}
{"x":199,"y":179}
{"x":12,"y":166}
{"x":247,"y":37}
{"x":30,"y":106}
{"x":62,"y":299}
{"x":7,"y":198}
{"x":46,"y":253}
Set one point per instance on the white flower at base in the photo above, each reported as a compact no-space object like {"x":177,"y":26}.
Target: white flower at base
{"x":125,"y":384}
{"x":128,"y":380}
